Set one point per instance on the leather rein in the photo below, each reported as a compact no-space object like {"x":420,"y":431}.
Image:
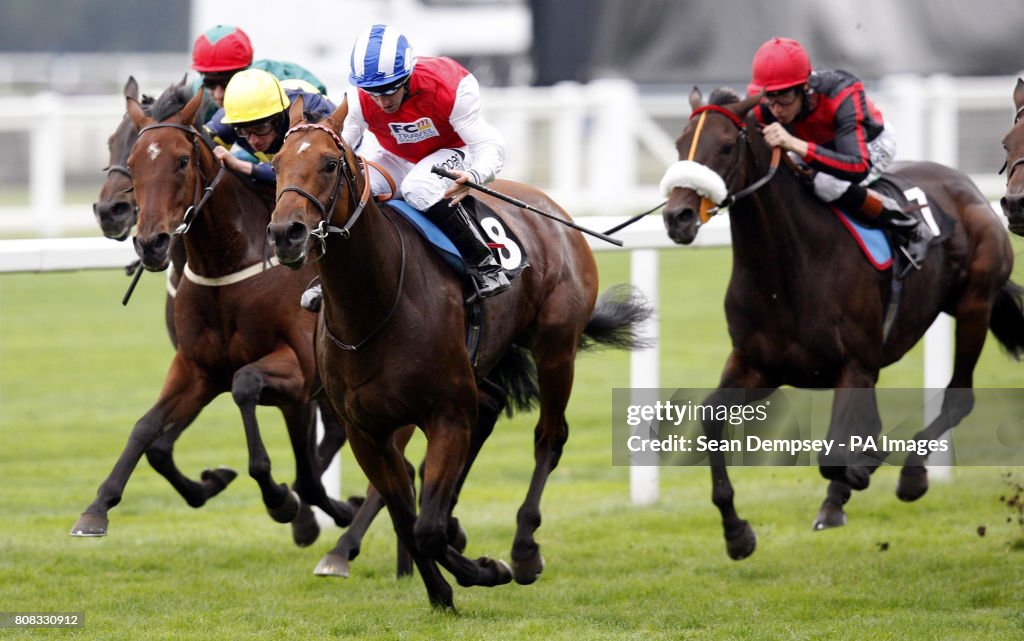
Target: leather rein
{"x":325,"y":228}
{"x":1009,"y":167}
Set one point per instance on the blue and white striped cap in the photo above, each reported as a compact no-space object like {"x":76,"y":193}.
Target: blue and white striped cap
{"x":381,"y":56}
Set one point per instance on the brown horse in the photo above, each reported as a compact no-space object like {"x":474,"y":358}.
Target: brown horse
{"x":237,"y":320}
{"x":1013,"y":200}
{"x":805,"y":309}
{"x":391,"y":343}
{"x":117,"y":213}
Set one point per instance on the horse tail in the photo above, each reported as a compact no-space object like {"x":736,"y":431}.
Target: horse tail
{"x":516,"y":376}
{"x":618,"y":312}
{"x":1007,"y":321}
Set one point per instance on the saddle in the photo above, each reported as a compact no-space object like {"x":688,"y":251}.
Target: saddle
{"x":508,"y":249}
{"x":504,"y":243}
{"x":877,"y":243}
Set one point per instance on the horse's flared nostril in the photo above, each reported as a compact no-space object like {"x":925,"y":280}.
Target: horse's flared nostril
{"x":297,"y":233}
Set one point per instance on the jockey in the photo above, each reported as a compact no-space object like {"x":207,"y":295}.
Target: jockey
{"x":222,"y":51}
{"x":824,"y":117}
{"x":425,"y":112}
{"x":255,"y":119}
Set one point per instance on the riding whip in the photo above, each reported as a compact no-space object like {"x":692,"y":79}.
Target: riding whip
{"x":634,"y":219}
{"x":441,"y":171}
{"x":135,"y":281}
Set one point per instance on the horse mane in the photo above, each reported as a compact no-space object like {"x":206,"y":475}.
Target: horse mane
{"x":174,"y":99}
{"x":723,"y":96}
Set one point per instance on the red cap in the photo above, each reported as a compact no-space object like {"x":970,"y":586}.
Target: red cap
{"x":221,"y":48}
{"x":779,"y":63}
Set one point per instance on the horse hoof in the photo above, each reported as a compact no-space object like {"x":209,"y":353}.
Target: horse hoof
{"x":913,"y":483}
{"x":332,"y":565}
{"x":90,"y":525}
{"x":305,"y":529}
{"x":528,"y":570}
{"x":829,"y":517}
{"x":742,"y":544}
{"x":214,"y":481}
{"x":502,"y":571}
{"x":288,"y":510}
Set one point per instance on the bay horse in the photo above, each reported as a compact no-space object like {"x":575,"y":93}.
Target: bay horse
{"x":237,"y":320}
{"x":116,"y":212}
{"x":1012,"y":201}
{"x":805,"y":308}
{"x":391,"y":343}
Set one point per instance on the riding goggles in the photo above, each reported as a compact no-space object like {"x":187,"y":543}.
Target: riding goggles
{"x":783,"y":97}
{"x":379,"y":92}
{"x":261,"y":129}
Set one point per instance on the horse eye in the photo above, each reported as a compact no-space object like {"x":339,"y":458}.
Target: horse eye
{"x":331,"y":165}
{"x":726,"y":149}
{"x":182,"y":162}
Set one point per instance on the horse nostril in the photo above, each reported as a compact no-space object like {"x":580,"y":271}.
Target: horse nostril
{"x":297,"y":233}
{"x":161,"y":243}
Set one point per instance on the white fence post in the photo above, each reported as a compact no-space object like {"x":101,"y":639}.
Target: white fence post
{"x":46,"y":162}
{"x":643,"y":370}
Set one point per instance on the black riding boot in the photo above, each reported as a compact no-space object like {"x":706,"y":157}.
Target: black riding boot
{"x":488,"y":276}
{"x":913,"y":234}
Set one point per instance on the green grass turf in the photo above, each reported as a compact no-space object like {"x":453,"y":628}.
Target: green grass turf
{"x":77,"y":369}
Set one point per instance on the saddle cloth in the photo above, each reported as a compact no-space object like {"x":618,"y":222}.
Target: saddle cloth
{"x":875,"y":242}
{"x":444,"y":246}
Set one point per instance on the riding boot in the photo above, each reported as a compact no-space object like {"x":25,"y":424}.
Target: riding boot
{"x":488,"y":276}
{"x":913,"y":234}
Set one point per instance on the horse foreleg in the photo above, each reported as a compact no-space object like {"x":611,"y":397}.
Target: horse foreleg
{"x":448,"y":442}
{"x":336,"y":562}
{"x":213,"y":481}
{"x":831,"y":514}
{"x":385,"y":467}
{"x":184,"y":395}
{"x":247,"y":386}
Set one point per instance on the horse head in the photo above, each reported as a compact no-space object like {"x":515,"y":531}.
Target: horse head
{"x":710,"y":150}
{"x":317,"y":179}
{"x":1013,"y":201}
{"x":164,"y":163}
{"x":116,"y":211}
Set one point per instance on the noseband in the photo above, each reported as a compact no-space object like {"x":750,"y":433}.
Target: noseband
{"x":197,"y":201}
{"x":345,"y":174}
{"x":744,"y":141}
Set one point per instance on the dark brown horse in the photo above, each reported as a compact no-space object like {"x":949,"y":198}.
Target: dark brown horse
{"x":1013,"y":201}
{"x":117,"y":213}
{"x":805,"y":309}
{"x":237,"y":320}
{"x":391,"y":345}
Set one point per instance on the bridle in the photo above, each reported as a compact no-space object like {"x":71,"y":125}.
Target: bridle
{"x":344,"y":174}
{"x":707,"y":207}
{"x":197,"y":200}
{"x":325,"y":228}
{"x":1009,"y":167}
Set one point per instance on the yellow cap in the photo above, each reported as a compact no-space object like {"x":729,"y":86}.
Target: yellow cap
{"x":253,"y":95}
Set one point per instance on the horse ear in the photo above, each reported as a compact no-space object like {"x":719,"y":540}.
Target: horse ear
{"x":1018,"y":93}
{"x":135,"y":112}
{"x":189,"y":111}
{"x":337,"y":119}
{"x":131,"y":88}
{"x":296,"y":110}
{"x":696,"y":98}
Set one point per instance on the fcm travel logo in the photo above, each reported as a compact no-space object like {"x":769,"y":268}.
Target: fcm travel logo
{"x":410,"y":132}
